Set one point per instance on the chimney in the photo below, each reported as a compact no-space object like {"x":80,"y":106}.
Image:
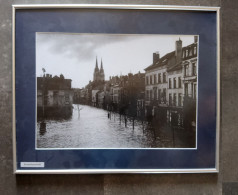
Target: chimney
{"x":178,"y":50}
{"x":155,"y":57}
{"x":195,"y":39}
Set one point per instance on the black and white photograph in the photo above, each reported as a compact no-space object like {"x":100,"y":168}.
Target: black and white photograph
{"x":116,"y":91}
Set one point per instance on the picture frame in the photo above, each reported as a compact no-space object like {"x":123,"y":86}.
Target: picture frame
{"x":46,"y":26}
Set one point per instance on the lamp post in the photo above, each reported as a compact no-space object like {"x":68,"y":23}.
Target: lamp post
{"x":42,"y":123}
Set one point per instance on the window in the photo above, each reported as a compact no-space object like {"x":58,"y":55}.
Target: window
{"x":159,"y":78}
{"x":67,"y":99}
{"x":175,"y":83}
{"x":186,"y":70}
{"x":194,"y":65}
{"x":186,"y":53}
{"x":155,"y":94}
{"x":150,"y":94}
{"x":169,"y":83}
{"x":180,"y":99}
{"x":164,"y":77}
{"x":164,"y":94}
{"x":147,"y":80}
{"x":155,"y":79}
{"x":147,"y":95}
{"x":195,"y":91}
{"x":151,"y":79}
{"x":195,"y":50}
{"x":55,"y":98}
{"x":45,"y":97}
{"x":159,"y":95}
{"x":170,"y":99}
{"x":175,"y":100}
{"x":179,"y":82}
{"x":186,"y":89}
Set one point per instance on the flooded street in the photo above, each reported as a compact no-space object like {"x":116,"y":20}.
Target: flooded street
{"x":92,"y":128}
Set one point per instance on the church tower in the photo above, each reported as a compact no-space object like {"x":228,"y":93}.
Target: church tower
{"x":96,"y":71}
{"x":102,"y":75}
{"x":98,"y":75}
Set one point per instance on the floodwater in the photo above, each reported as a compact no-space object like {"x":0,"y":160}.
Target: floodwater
{"x":91,"y":127}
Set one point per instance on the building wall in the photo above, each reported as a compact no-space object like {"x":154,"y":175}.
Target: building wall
{"x":94,"y":97}
{"x":116,"y":94}
{"x":190,"y":78}
{"x":159,"y":85}
{"x":225,"y":182}
{"x":101,"y":98}
{"x":179,"y":80}
{"x":177,"y":90}
{"x":62,"y":98}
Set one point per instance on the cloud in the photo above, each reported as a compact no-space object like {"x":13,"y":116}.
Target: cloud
{"x":82,"y":47}
{"x":73,"y":55}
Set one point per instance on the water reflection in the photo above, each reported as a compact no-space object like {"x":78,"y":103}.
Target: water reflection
{"x":42,"y":128}
{"x":90,"y":127}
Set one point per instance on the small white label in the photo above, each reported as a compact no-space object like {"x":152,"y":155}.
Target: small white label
{"x":32,"y":164}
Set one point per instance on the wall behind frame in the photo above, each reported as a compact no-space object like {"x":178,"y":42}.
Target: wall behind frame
{"x":226,"y":182}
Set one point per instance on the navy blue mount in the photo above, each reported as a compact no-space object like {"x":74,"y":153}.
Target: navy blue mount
{"x":28,"y":22}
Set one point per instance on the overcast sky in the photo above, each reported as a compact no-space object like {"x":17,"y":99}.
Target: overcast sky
{"x":74,"y":55}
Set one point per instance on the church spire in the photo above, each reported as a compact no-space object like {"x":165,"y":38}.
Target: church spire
{"x":101,"y":65}
{"x":96,"y":67}
{"x":102,"y":75}
{"x":96,"y":71}
{"x":98,"y":75}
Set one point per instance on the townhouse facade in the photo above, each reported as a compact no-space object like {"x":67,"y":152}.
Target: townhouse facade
{"x":171,"y":84}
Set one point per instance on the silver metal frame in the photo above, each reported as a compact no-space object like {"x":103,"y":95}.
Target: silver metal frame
{"x":122,"y":7}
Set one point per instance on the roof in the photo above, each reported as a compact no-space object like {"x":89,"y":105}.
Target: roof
{"x":55,"y":83}
{"x":164,"y":60}
{"x":161,"y":62}
{"x":175,"y":67}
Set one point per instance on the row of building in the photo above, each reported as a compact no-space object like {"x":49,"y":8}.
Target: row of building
{"x":119,"y":93}
{"x":166,"y":91}
{"x":171,"y":84}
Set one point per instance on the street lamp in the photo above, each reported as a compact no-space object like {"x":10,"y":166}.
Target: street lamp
{"x":42,"y":123}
